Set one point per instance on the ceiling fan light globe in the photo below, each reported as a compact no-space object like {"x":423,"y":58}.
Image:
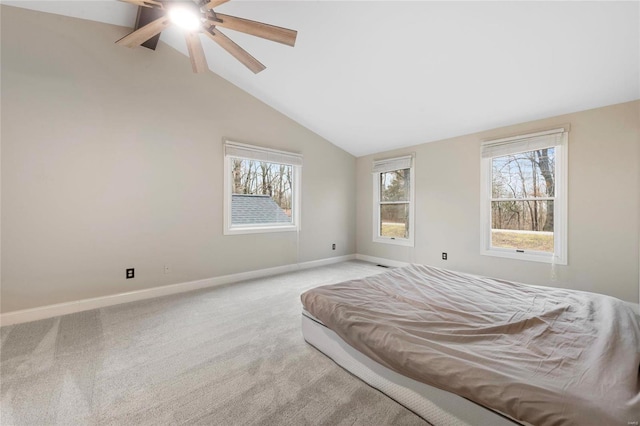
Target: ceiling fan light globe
{"x":185,"y":18}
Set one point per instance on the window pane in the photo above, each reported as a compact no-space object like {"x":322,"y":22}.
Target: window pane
{"x":394,"y":220}
{"x":261,"y":192}
{"x":522,"y":225}
{"x":524,"y":175}
{"x":394,"y":186}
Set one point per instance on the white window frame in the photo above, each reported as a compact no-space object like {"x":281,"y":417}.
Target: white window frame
{"x":389,"y":165}
{"x":556,"y":138}
{"x":235,"y":150}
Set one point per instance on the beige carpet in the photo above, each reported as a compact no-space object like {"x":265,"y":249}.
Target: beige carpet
{"x":231,"y":355}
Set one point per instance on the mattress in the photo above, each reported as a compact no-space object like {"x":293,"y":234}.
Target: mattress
{"x":546,"y":356}
{"x":436,"y":406}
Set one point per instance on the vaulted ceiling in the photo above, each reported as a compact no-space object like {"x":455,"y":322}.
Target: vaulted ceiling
{"x":373,"y":76}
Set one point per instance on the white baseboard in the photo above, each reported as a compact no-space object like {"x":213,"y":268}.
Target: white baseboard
{"x":42,"y":312}
{"x":381,"y":261}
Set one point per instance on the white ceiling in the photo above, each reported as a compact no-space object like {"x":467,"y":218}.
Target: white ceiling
{"x":370,"y":76}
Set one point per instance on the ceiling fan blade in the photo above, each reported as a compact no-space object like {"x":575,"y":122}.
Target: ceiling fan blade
{"x":238,"y":52}
{"x":258,"y":29}
{"x":144,"y":3}
{"x":214,"y":3}
{"x":143,"y":34}
{"x":196,"y":54}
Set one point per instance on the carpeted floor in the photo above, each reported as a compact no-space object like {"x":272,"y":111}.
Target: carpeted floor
{"x":231,"y":355}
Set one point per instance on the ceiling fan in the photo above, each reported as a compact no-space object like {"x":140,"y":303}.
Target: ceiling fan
{"x":196,"y":16}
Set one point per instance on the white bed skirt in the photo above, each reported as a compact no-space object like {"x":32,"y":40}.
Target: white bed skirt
{"x":438,"y":407}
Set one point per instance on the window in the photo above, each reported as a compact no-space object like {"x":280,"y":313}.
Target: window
{"x":262,"y":189}
{"x":524,"y":197}
{"x":393,"y":197}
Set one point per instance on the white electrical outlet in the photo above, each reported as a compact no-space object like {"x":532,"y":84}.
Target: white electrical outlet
{"x":167,"y":269}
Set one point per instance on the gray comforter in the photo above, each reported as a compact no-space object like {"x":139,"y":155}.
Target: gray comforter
{"x":545,"y":356}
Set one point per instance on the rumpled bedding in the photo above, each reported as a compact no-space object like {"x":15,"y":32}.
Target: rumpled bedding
{"x":545,"y":356}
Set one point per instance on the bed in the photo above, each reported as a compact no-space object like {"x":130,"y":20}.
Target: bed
{"x":461,"y":349}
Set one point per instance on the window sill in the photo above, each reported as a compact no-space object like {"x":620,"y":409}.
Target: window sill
{"x":531,"y":256}
{"x":395,"y":241}
{"x":259,"y":229}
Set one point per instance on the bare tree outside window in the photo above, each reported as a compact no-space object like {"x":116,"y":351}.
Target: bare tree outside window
{"x":261,"y":179}
{"x":394,"y":203}
{"x":522,"y":200}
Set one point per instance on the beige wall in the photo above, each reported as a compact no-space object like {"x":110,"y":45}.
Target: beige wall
{"x":604,"y":204}
{"x":112,"y":158}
